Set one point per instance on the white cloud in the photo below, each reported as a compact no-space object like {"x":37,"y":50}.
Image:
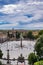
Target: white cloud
{"x":12,"y":8}
{"x":16,"y":13}
{"x":8,"y":26}
{"x":34,"y":26}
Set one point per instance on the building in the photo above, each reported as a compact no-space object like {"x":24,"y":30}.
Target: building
{"x":3,"y":37}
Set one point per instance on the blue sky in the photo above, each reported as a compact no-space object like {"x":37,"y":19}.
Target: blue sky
{"x":21,"y":14}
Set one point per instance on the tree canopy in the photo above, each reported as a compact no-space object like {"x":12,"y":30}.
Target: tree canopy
{"x":1,"y":54}
{"x":40,"y":32}
{"x":0,"y":63}
{"x":17,"y":35}
{"x":32,"y":58}
{"x":30,"y":35}
{"x":39,"y":46}
{"x":38,"y":63}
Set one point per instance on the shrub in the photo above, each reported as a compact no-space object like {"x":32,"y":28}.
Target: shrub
{"x":32,"y":58}
{"x":39,"y":63}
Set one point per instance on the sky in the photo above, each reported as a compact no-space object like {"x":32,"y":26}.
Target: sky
{"x":21,"y":14}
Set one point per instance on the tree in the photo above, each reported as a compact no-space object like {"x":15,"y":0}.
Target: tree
{"x":32,"y":58}
{"x":39,"y":46}
{"x":0,"y":63}
{"x":30,"y":35}
{"x":1,"y":54}
{"x":40,"y":32}
{"x":17,"y":35}
{"x":38,"y":63}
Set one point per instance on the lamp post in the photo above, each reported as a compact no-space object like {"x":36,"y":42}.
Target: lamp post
{"x":21,"y":37}
{"x":8,"y":62}
{"x":8,"y":57}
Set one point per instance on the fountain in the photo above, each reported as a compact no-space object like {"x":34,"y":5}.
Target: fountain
{"x":21,"y":59}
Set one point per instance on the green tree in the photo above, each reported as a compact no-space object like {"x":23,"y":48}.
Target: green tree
{"x":17,"y":35}
{"x":0,"y":63}
{"x":30,"y":35}
{"x":38,"y":63}
{"x":1,"y":54}
{"x":36,"y":36}
{"x":39,"y":46}
{"x":40,"y":32}
{"x":32,"y":58}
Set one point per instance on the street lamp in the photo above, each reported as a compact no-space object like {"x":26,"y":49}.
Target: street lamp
{"x":8,"y":62}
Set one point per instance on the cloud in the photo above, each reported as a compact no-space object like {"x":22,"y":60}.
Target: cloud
{"x":11,"y":8}
{"x":3,"y":23}
{"x":8,"y":26}
{"x":33,"y":26}
{"x":22,"y":15}
{"x":4,"y":2}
